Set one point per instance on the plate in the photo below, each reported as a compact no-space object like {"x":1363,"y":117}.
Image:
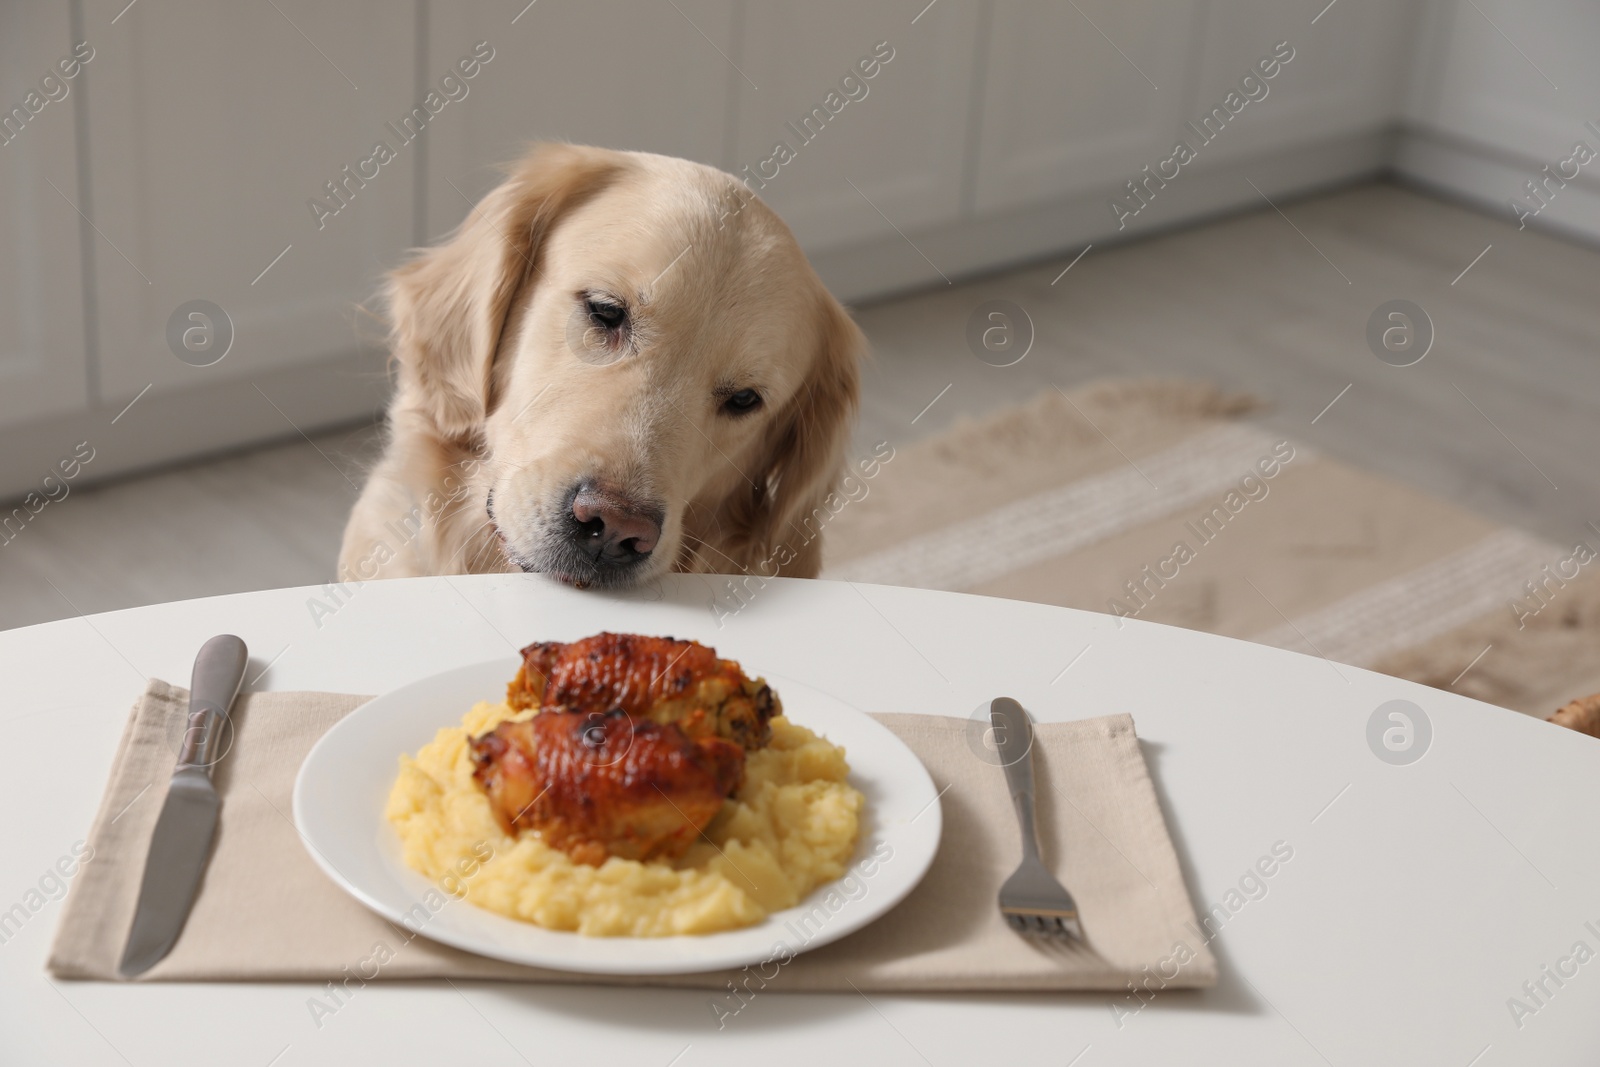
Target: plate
{"x":343,"y":785}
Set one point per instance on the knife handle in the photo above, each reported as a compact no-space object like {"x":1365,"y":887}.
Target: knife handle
{"x":1013,"y":737}
{"x":218,"y":673}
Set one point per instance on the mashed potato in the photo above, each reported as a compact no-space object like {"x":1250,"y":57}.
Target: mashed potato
{"x":792,"y":827}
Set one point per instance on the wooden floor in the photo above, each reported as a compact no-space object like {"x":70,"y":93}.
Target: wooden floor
{"x":1501,"y":416}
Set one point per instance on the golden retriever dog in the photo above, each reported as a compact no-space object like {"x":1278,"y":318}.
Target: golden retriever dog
{"x":619,"y":365}
{"x":1582,"y":715}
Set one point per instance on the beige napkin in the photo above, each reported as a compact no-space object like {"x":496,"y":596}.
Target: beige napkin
{"x":265,"y":911}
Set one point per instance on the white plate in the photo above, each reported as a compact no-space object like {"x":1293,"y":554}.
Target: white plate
{"x":340,"y":794}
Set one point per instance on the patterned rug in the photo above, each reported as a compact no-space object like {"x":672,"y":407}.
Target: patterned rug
{"x":1156,"y":500}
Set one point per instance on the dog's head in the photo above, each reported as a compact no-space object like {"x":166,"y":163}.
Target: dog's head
{"x":652,"y":372}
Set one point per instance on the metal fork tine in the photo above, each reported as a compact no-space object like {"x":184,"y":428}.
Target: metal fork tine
{"x":1051,"y":927}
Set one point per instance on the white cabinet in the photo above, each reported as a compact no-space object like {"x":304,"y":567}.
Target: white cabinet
{"x":276,"y":158}
{"x":653,"y":77}
{"x":1079,"y":96}
{"x":43,"y":366}
{"x":1082,"y":96}
{"x":1346,"y":76}
{"x":213,"y":128}
{"x":864,"y":154}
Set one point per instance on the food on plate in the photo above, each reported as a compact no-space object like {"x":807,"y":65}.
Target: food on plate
{"x":658,"y":678}
{"x":597,"y":784}
{"x":629,"y":786}
{"x":637,"y":742}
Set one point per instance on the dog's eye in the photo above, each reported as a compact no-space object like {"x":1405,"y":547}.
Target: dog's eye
{"x":605,"y":314}
{"x":743,"y":402}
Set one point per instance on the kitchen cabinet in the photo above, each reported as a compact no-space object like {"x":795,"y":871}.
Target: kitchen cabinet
{"x":44,"y":361}
{"x":874,"y":108}
{"x":1079,"y":96}
{"x":214,"y":131}
{"x":1348,"y":70}
{"x":651,"y":77}
{"x":274,"y":159}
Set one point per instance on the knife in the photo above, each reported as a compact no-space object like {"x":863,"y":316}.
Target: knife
{"x":181,"y":844}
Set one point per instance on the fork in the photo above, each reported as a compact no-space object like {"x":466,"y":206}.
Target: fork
{"x":1032,"y":900}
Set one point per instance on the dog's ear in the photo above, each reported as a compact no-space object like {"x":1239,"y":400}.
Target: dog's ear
{"x":448,"y":305}
{"x":804,"y":455}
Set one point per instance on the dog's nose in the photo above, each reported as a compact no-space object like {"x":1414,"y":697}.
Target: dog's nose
{"x":610,"y":529}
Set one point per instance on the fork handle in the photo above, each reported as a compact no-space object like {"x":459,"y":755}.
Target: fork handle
{"x":1013,"y":736}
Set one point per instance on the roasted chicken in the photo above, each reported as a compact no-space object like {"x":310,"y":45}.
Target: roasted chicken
{"x":656,"y":678}
{"x":637,"y":742}
{"x":604,"y":784}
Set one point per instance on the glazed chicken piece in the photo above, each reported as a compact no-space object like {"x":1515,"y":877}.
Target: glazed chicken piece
{"x":602,"y":784}
{"x":657,"y":678}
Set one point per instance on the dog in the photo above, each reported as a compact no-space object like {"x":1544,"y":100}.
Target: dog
{"x":619,"y":365}
{"x":1582,"y":715}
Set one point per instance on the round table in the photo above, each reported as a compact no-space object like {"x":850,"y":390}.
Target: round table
{"x":1424,"y":900}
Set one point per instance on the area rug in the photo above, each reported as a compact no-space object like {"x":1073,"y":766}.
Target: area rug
{"x":1159,"y":500}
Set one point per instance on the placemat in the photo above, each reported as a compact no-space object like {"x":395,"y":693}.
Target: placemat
{"x":265,"y":911}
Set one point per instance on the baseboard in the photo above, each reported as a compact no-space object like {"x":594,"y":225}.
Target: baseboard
{"x":1488,"y":177}
{"x":162,"y":428}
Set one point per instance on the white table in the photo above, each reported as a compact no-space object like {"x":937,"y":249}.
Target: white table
{"x":1419,"y":898}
